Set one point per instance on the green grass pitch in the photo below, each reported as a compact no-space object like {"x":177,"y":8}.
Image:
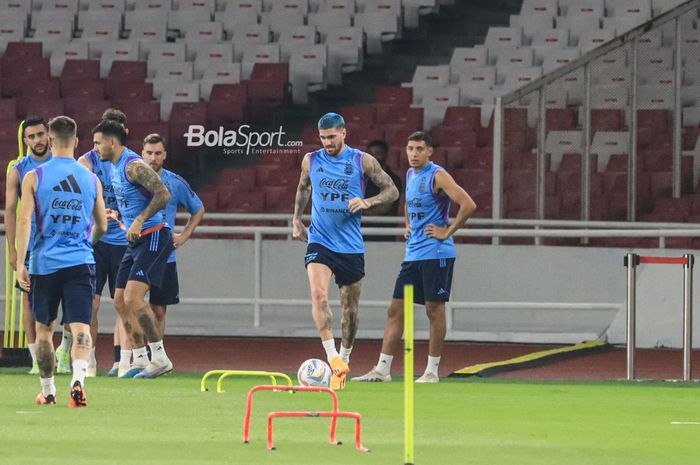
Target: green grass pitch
{"x":463,"y":421}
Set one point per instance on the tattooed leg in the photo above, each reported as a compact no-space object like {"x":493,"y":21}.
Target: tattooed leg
{"x":82,"y":344}
{"x":45,"y":357}
{"x":349,"y":299}
{"x":319,"y":280}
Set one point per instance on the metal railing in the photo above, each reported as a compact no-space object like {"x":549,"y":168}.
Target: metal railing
{"x":585,"y":62}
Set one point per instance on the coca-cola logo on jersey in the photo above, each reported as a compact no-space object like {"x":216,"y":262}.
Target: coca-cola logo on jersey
{"x":72,"y":204}
{"x":340,"y":184}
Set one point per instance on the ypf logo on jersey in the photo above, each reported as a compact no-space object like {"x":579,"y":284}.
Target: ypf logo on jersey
{"x":240,"y":141}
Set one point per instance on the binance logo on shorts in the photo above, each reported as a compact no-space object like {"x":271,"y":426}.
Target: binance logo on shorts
{"x":68,"y":185}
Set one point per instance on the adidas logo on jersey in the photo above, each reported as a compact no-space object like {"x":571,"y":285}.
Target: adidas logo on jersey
{"x":320,"y":169}
{"x":139,"y":273}
{"x":68,"y":185}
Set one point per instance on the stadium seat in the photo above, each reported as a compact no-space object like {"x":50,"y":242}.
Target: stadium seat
{"x":233,"y":19}
{"x":173,"y":92}
{"x":608,"y":143}
{"x":435,"y":102}
{"x":559,"y":143}
{"x":326,"y":22}
{"x":162,"y":53}
{"x":530,"y":24}
{"x":204,"y":5}
{"x":181,"y":20}
{"x":204,"y":32}
{"x":206,"y":55}
{"x":281,"y":20}
{"x":170,"y":72}
{"x":577,"y":25}
{"x":299,"y":36}
{"x":138,"y":111}
{"x":117,"y":89}
{"x":307,"y":71}
{"x":88,"y":89}
{"x":345,"y":52}
{"x":46,"y":109}
{"x":269,"y":53}
{"x":121,"y":50}
{"x":223,"y":73}
{"x":381,"y":26}
{"x":539,"y":7}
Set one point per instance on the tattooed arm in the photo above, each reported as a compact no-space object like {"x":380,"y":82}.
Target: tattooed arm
{"x":301,"y":200}
{"x":388,"y":191}
{"x":140,"y":173}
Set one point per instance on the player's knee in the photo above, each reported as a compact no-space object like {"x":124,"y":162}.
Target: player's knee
{"x":435,"y":310}
{"x":395,"y":310}
{"x":132,"y":302}
{"x":318,"y":296}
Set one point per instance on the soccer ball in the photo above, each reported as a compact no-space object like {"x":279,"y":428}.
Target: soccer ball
{"x":314,"y":372}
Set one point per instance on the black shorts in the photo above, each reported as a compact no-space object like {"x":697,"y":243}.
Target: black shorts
{"x":26,"y":265}
{"x":348,"y":268}
{"x":73,"y":287}
{"x":167,"y":293}
{"x":146,"y":259}
{"x":431,"y":279}
{"x":108,"y":257}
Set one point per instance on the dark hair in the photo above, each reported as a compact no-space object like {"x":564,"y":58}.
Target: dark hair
{"x":33,"y":121}
{"x":112,"y":114}
{"x":420,"y":136}
{"x":111,"y":128}
{"x":379,"y":143}
{"x":331,"y":121}
{"x":62,"y":129}
{"x":154,"y":138}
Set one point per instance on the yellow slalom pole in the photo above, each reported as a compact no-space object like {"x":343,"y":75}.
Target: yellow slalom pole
{"x":10,"y":291}
{"x":408,"y":373}
{"x":8,"y":298}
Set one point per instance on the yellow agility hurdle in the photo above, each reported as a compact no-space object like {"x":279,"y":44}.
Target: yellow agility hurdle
{"x":228,"y":373}
{"x":11,"y":316}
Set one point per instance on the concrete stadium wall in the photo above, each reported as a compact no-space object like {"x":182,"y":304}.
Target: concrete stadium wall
{"x":492,"y":280}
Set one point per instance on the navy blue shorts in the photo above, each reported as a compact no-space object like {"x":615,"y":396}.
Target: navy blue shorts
{"x":73,"y":287}
{"x":348,"y":268}
{"x":108,"y":257}
{"x":431,"y":279}
{"x":146,"y":259}
{"x":167,"y":293}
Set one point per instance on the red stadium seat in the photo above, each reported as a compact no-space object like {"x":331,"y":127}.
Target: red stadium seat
{"x":140,"y":92}
{"x":41,"y":88}
{"x":192,"y":113}
{"x":81,"y":69}
{"x":468,"y":117}
{"x":128,"y":71}
{"x":23,"y":50}
{"x":8,"y":132}
{"x":46,"y":109}
{"x":229,"y":92}
{"x":8,"y":109}
{"x":138,"y":112}
{"x":239,"y":180}
{"x":561,"y":119}
{"x":394,"y":95}
{"x":226,"y":112}
{"x":25,"y":68}
{"x":362,"y":114}
{"x":83,"y":89}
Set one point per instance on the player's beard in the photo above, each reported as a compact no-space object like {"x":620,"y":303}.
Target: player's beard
{"x":156,"y":167}
{"x":40,"y":153}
